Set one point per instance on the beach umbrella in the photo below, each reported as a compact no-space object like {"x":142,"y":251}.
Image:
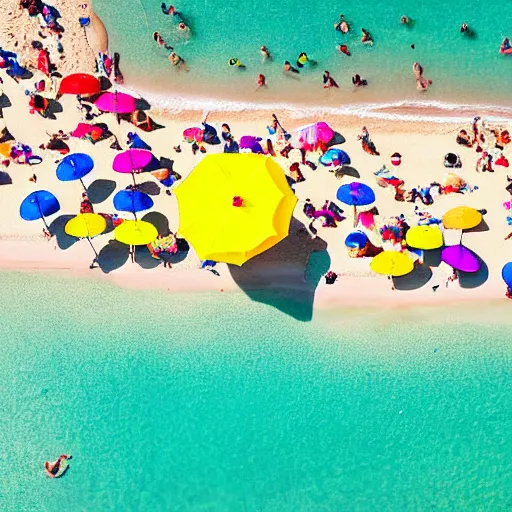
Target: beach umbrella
{"x":38,"y":205}
{"x":392,"y":263}
{"x":314,"y":135}
{"x":116,"y":102}
{"x":86,"y":225}
{"x":460,"y":258}
{"x":131,"y":160}
{"x":506,"y":274}
{"x":252,"y":143}
{"x":356,"y":240}
{"x":135,"y":232}
{"x":424,"y":237}
{"x":193,"y":134}
{"x":79,"y":83}
{"x":334,"y":157}
{"x":234,"y":206}
{"x":75,"y":167}
{"x":355,"y":194}
{"x":132,"y":201}
{"x":462,"y":217}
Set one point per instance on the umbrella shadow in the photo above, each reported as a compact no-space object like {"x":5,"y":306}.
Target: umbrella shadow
{"x":54,"y":107}
{"x":419,"y":277}
{"x":474,"y":279}
{"x":153,"y":165}
{"x":166,"y":163}
{"x":100,"y":190}
{"x":337,"y":138}
{"x":64,"y":241}
{"x":277,"y":277}
{"x":5,"y":178}
{"x":483,"y":226}
{"x":346,"y":170}
{"x":144,"y":259}
{"x":160,"y":221}
{"x":142,"y":104}
{"x":113,"y":256}
{"x":5,"y":102}
{"x":432,"y":258}
{"x":149,"y":187}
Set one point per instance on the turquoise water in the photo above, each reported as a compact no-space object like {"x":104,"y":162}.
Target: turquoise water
{"x":209,"y":404}
{"x":464,"y":70}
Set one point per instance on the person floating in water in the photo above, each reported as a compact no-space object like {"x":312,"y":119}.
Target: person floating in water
{"x":58,"y":468}
{"x":234,"y":62}
{"x":265,"y":53}
{"x":343,"y":48}
{"x":329,"y":81}
{"x":160,"y":40}
{"x":342,"y":25}
{"x":288,"y":68}
{"x":358,"y":81}
{"x":506,"y":47}
{"x":404,"y":20}
{"x":366,"y":37}
{"x":464,"y":28}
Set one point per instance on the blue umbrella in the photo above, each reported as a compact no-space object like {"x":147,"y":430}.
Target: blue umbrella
{"x":75,"y":167}
{"x":355,"y":194}
{"x":356,"y":240}
{"x":334,"y":156}
{"x":38,"y":205}
{"x":132,"y":201}
{"x":506,"y":274}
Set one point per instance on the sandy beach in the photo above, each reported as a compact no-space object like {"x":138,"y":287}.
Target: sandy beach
{"x":422,"y":146}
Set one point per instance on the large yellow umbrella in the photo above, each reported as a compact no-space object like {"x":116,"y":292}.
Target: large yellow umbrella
{"x":462,"y":217}
{"x":392,"y":263}
{"x":86,"y":225}
{"x":135,"y":232}
{"x":424,"y":237}
{"x":235,"y":206}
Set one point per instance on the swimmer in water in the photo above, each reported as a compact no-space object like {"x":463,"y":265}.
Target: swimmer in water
{"x":302,"y":59}
{"x":464,"y":28}
{"x":262,"y":81}
{"x":329,"y":81}
{"x":358,"y":81}
{"x":265,"y":54}
{"x":366,"y":37}
{"x":177,"y":61}
{"x":234,"y":62}
{"x":342,"y":25}
{"x":288,"y":68}
{"x":404,"y":20}
{"x":343,"y":48}
{"x":422,"y":83}
{"x":159,"y":39}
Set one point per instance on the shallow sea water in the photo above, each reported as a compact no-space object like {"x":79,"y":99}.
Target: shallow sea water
{"x":217,"y":403}
{"x":464,"y":69}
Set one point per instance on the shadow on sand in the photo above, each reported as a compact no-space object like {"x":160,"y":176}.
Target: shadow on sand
{"x":64,"y":241}
{"x":113,"y":256}
{"x":419,"y":277}
{"x":100,"y":190}
{"x":474,"y":279}
{"x":277,"y":277}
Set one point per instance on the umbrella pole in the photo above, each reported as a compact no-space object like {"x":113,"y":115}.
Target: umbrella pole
{"x":92,"y":247}
{"x":132,"y":253}
{"x":42,"y":216}
{"x":355,"y":216}
{"x":133,"y":177}
{"x":85,"y":188}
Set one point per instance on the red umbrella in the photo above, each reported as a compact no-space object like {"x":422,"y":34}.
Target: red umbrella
{"x":79,"y":83}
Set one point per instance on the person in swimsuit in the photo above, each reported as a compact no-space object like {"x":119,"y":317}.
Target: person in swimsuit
{"x":288,"y":68}
{"x":265,"y":53}
{"x":178,"y":61}
{"x":464,"y":28}
{"x":366,"y":37}
{"x":358,"y":81}
{"x":343,"y":48}
{"x":262,"y":82}
{"x":329,"y":81}
{"x":160,"y":41}
{"x":404,"y":20}
{"x":342,"y":25}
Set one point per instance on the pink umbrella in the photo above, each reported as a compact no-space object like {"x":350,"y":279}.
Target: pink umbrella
{"x":116,"y":102}
{"x":132,"y":160}
{"x":311,"y":136}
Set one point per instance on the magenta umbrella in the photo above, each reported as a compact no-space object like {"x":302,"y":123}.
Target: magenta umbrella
{"x":116,"y":102}
{"x":460,"y":258}
{"x":132,"y":160}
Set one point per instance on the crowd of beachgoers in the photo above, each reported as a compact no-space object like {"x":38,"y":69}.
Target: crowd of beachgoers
{"x":104,"y":105}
